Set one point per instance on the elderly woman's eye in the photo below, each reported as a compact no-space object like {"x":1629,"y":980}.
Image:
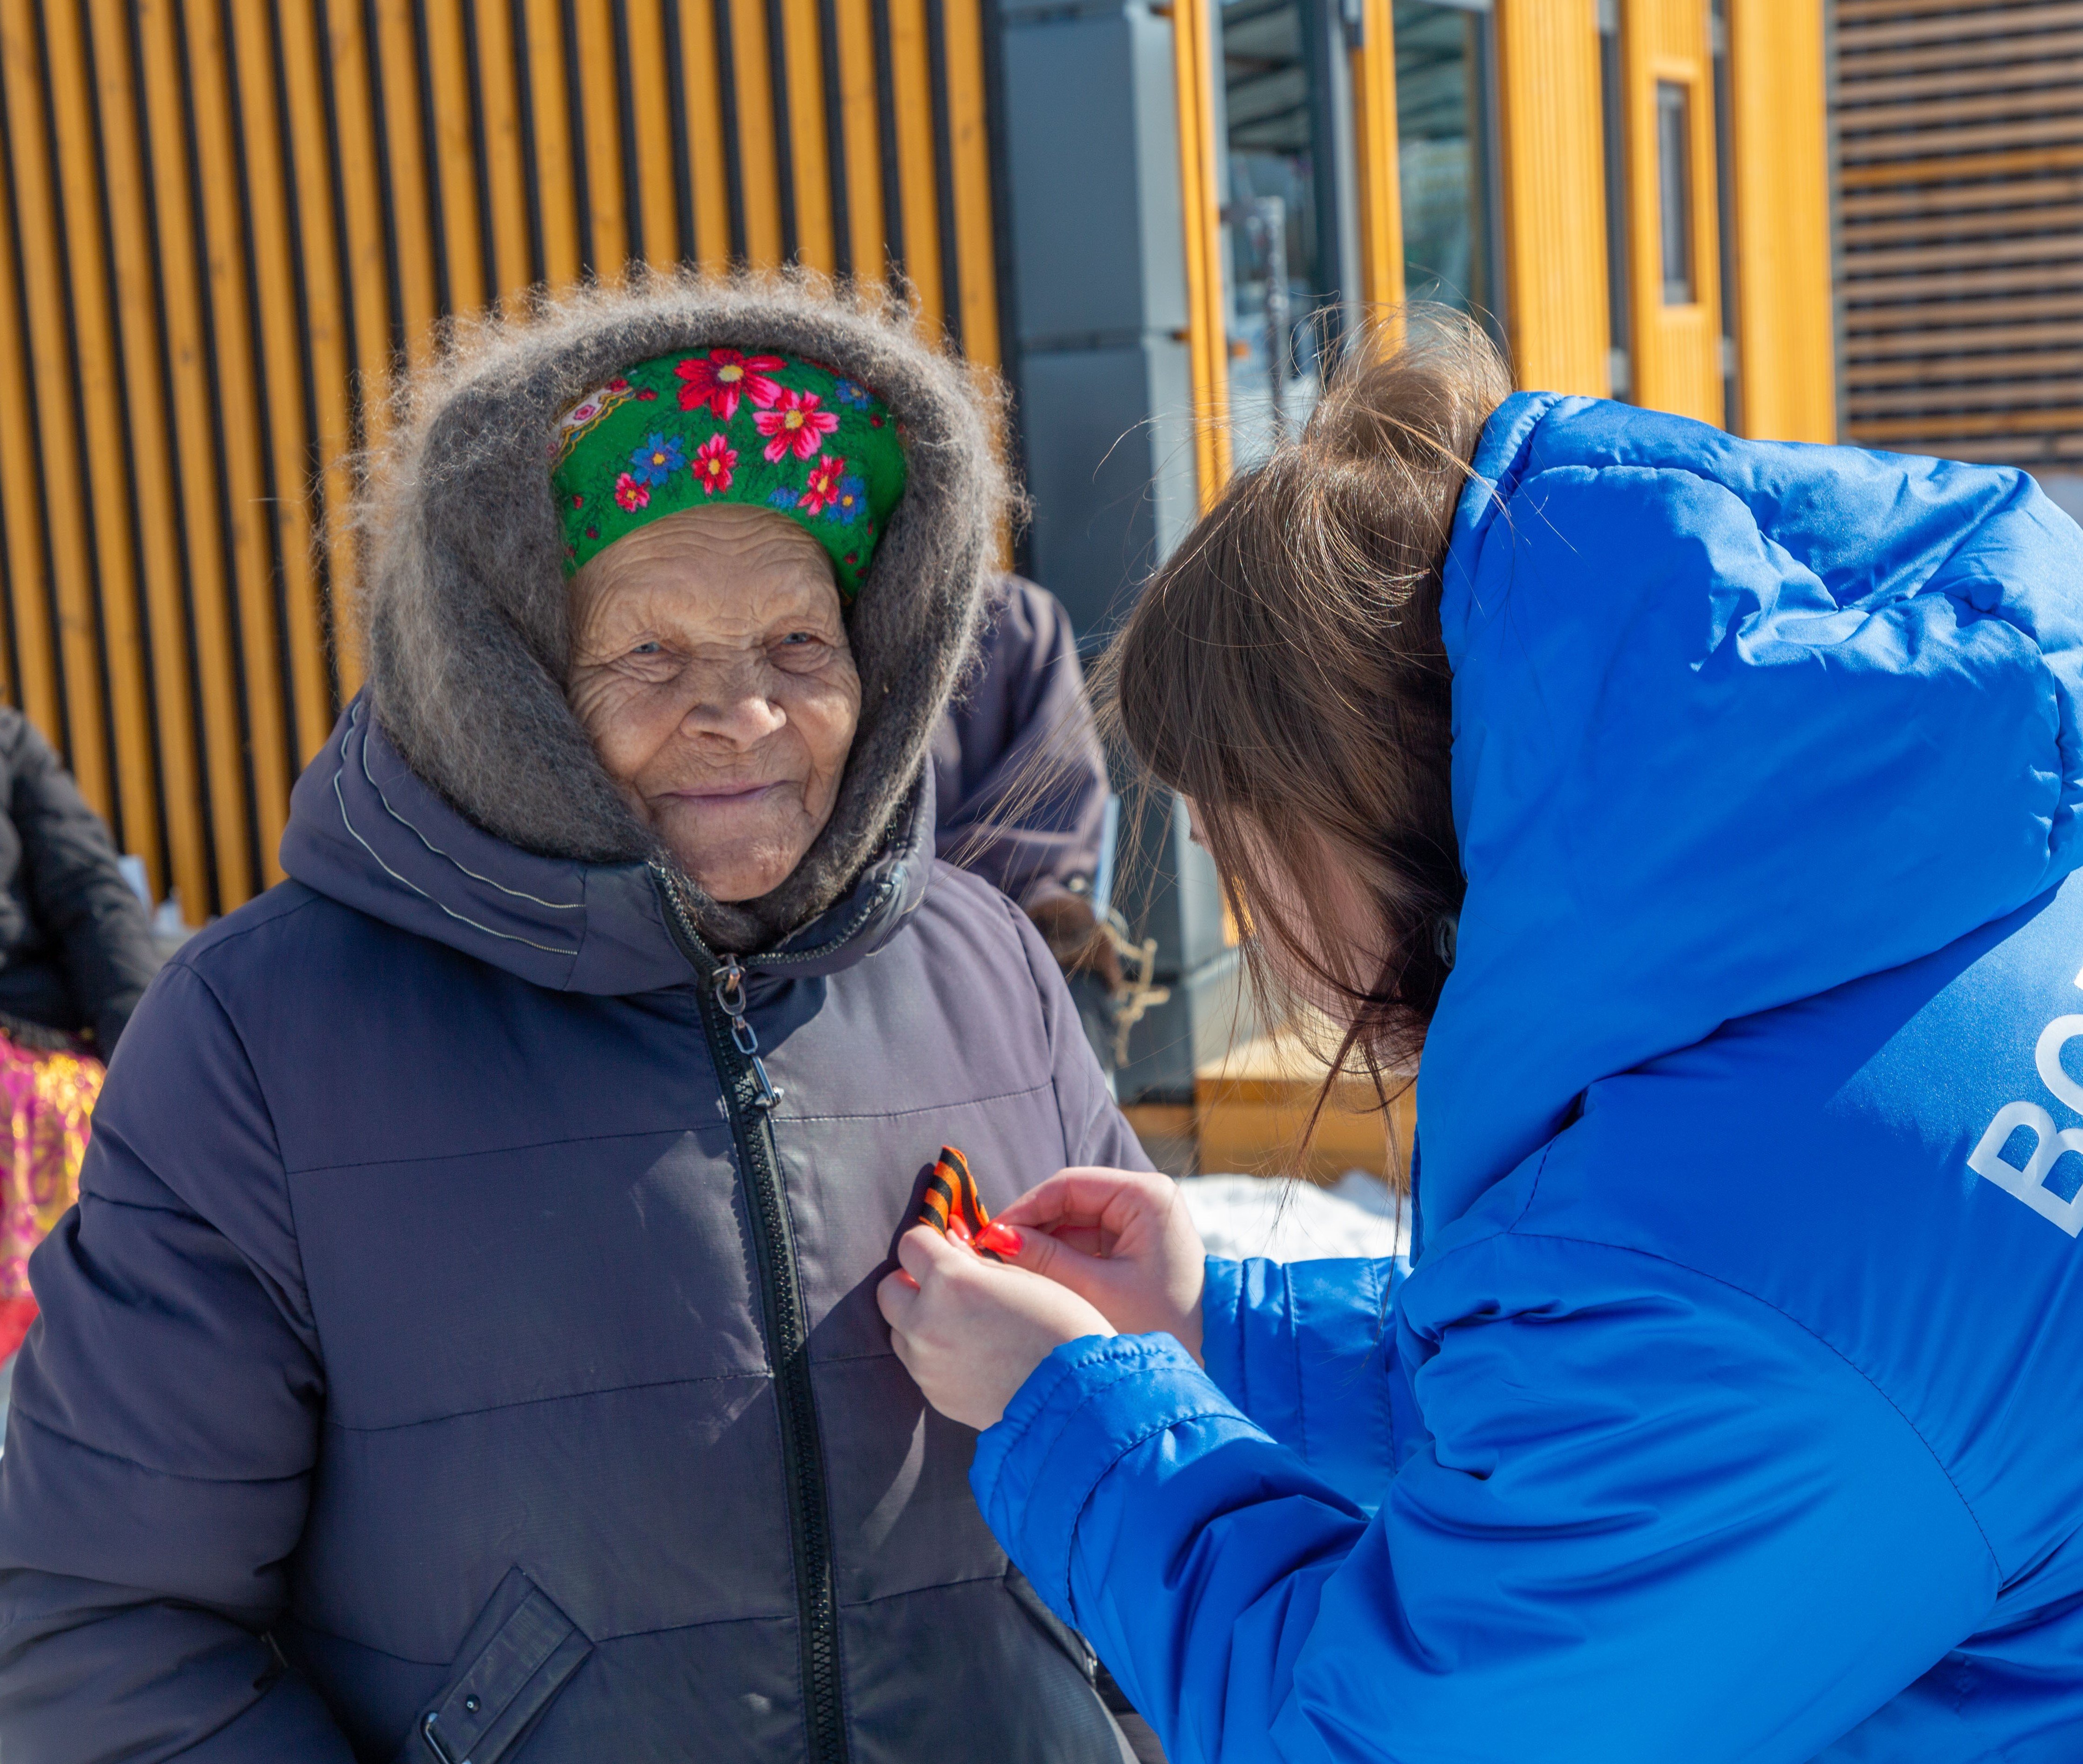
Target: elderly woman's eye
{"x":651,"y":648}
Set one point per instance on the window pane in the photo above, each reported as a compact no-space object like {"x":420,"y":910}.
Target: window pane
{"x":1438,"y":71}
{"x":1674,"y":171}
{"x":1275,"y":277}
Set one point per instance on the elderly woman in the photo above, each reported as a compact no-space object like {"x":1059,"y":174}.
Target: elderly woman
{"x":466,"y":1345}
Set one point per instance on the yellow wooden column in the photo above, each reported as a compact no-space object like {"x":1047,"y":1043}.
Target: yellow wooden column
{"x":1379,"y":193}
{"x":1553,"y":126}
{"x":1207,"y":328}
{"x":1786,"y":333}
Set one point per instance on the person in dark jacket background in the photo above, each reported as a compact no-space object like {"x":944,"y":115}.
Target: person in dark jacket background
{"x":76,"y":950}
{"x":1021,"y":782}
{"x":76,"y":954}
{"x":465,"y":1346}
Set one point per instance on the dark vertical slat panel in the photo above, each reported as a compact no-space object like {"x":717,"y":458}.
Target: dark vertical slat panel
{"x":228,"y":330}
{"x":318,"y":696}
{"x":41,"y":691}
{"x":783,"y":137}
{"x":726,"y":101}
{"x":554,"y":160}
{"x":944,"y":175}
{"x":885,"y":111}
{"x":281,"y":364}
{"x":524,"y":101}
{"x":480,"y":155}
{"x":443,"y":114}
{"x":704,"y":130}
{"x":109,"y":591}
{"x":51,"y":415}
{"x":197,"y":602}
{"x":410,"y":233}
{"x":835,"y":139}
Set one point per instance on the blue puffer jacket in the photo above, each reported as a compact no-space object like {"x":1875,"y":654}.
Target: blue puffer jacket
{"x":1731,"y":1411}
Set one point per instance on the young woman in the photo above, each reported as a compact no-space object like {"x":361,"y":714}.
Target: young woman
{"x":1708,"y":807}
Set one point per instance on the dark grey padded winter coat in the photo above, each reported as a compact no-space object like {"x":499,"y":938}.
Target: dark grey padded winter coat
{"x":76,"y":951}
{"x":449,"y":1358}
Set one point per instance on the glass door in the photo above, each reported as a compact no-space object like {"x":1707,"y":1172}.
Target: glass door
{"x":1443,"y":118}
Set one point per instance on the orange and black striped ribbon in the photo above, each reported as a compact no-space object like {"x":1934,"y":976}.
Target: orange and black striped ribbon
{"x":951,"y":1193}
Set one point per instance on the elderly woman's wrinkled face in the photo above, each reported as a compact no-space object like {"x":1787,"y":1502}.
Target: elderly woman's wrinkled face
{"x":711,"y":668}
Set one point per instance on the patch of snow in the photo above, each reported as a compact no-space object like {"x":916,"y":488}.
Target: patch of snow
{"x":1287,"y":1220}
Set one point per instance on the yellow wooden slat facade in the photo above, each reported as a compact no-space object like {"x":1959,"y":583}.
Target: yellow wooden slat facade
{"x":222,"y":223}
{"x":1787,"y":385}
{"x":1552,"y":139}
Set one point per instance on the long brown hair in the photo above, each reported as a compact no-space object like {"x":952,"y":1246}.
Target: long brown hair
{"x":1284,"y":671}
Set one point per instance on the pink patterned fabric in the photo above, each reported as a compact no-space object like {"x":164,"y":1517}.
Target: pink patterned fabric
{"x":48,"y":1099}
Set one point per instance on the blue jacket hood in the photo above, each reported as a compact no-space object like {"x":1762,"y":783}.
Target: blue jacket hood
{"x":365,"y":830}
{"x":1734,"y":722}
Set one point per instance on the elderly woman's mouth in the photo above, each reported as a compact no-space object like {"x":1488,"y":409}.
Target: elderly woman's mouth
{"x":722,"y":795}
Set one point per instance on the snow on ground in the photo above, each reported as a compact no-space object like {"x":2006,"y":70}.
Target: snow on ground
{"x":1297,"y":1221}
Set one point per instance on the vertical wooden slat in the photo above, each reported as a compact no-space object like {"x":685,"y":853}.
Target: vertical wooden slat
{"x":608,"y":250}
{"x":21,"y":470}
{"x":325,"y":322}
{"x":195,"y":430}
{"x":455,"y":155}
{"x":241,"y":427}
{"x":969,"y":130}
{"x":1677,"y":349}
{"x":412,"y":239}
{"x":860,"y":130}
{"x":759,"y":166}
{"x":1207,"y":331}
{"x":911,"y":85}
{"x":555,"y":187}
{"x":284,"y":415}
{"x":498,"y":85}
{"x":367,"y":273}
{"x":151,"y":461}
{"x":1379,"y":193}
{"x":113,"y":588}
{"x":1781,"y":159}
{"x":703,"y":82}
{"x":650,"y":97}
{"x":1554,"y":131}
{"x":66,"y":498}
{"x":802,"y":67}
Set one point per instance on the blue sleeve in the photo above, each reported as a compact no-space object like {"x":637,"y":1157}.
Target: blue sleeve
{"x":1306,"y":1350}
{"x":1653,"y":1519}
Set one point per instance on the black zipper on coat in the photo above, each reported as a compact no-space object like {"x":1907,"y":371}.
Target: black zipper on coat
{"x":786,"y":1324}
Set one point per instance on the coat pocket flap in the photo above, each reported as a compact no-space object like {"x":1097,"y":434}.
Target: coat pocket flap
{"x":500,"y":1690}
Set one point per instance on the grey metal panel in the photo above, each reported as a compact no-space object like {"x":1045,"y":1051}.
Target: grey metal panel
{"x":1091,"y":151}
{"x":1110,"y":468}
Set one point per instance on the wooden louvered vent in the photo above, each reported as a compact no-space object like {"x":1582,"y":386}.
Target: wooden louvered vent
{"x":1960,"y":137}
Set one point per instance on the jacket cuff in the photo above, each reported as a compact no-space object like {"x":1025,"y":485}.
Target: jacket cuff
{"x":1083,"y":1409}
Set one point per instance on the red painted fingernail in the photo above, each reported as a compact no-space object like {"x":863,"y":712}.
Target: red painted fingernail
{"x":958,"y":1228}
{"x":1004,"y":1238}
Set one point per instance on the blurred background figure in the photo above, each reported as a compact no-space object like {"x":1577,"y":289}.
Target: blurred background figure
{"x":76,"y":954}
{"x":1021,"y":784}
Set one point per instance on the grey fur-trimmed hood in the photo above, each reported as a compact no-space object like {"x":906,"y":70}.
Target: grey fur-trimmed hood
{"x":468,"y":636}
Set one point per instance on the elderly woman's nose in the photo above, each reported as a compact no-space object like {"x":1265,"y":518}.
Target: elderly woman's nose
{"x":740,"y":710}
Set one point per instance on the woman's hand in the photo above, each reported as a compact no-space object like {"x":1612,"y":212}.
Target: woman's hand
{"x":1121,"y":1240}
{"x":970,"y":1330}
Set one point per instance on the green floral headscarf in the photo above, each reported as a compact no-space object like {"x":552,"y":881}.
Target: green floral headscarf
{"x":701,"y":426}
